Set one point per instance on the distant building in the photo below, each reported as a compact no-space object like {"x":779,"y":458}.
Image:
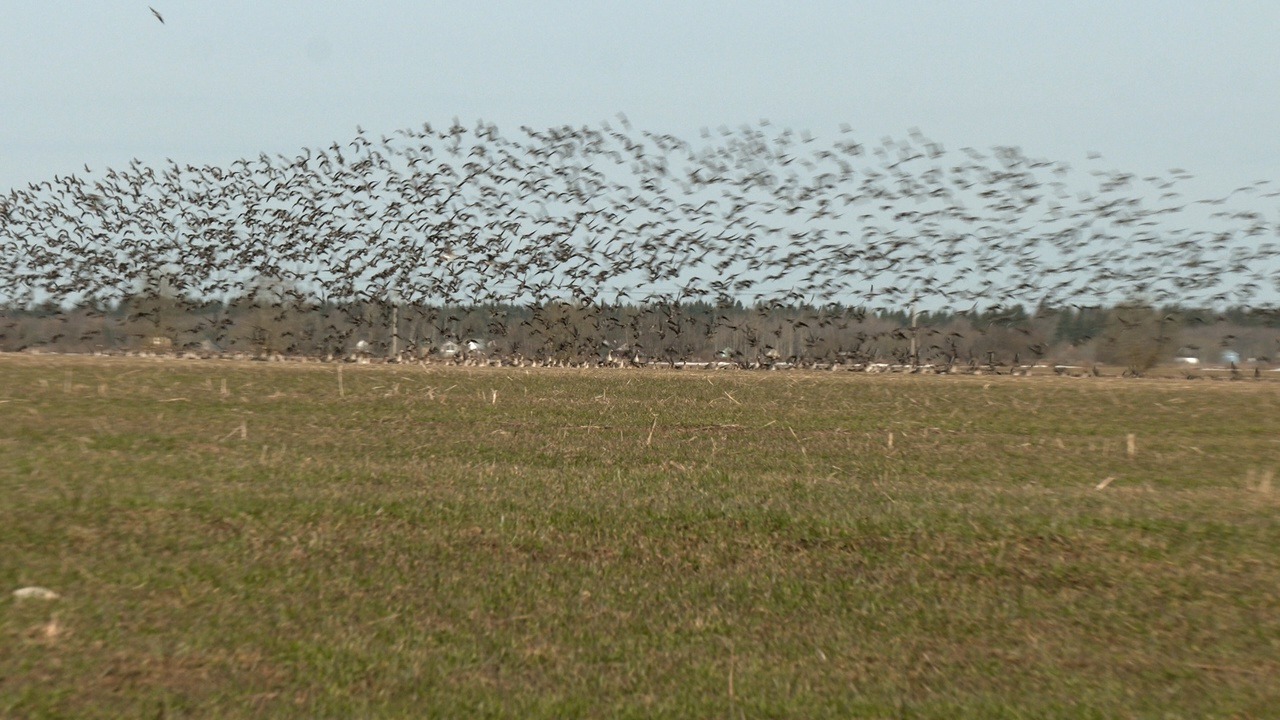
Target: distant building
{"x":363,"y":352}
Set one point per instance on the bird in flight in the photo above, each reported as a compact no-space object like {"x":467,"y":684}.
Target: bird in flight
{"x":157,"y":14}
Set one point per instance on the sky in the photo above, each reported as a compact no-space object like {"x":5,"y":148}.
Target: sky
{"x":1149,"y":85}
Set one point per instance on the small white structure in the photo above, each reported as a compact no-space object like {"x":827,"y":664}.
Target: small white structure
{"x":362,"y":354}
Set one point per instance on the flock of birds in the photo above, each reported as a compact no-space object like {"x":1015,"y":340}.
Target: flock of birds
{"x":607,"y":216}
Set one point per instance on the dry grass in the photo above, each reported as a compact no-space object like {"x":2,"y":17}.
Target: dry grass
{"x":245,"y":539}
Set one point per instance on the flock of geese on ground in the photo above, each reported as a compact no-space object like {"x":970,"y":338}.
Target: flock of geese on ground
{"x":605,"y":216}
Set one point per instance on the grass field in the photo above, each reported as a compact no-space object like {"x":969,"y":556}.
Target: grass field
{"x":276,"y":540}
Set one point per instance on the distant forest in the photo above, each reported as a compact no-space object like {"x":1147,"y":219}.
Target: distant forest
{"x":1134,"y":335}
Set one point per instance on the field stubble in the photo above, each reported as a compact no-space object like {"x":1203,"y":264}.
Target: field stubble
{"x":251,"y":539}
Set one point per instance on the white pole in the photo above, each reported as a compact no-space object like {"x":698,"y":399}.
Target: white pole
{"x":914,"y":358}
{"x":395,"y":326}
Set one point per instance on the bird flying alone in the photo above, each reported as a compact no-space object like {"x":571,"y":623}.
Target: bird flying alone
{"x":157,"y":14}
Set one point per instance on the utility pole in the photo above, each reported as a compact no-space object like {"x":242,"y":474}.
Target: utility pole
{"x":395,"y":327}
{"x":915,"y":359}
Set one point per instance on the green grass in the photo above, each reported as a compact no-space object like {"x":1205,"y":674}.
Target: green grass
{"x":500,"y":542}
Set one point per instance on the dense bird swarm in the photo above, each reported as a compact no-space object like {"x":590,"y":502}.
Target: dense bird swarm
{"x":610,"y":237}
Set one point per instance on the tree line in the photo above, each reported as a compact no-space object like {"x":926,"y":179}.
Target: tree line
{"x":1134,"y":335}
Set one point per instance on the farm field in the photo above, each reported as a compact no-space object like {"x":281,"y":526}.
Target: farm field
{"x":277,"y":540}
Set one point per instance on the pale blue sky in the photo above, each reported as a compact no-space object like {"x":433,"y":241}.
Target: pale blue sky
{"x":1150,"y":85}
